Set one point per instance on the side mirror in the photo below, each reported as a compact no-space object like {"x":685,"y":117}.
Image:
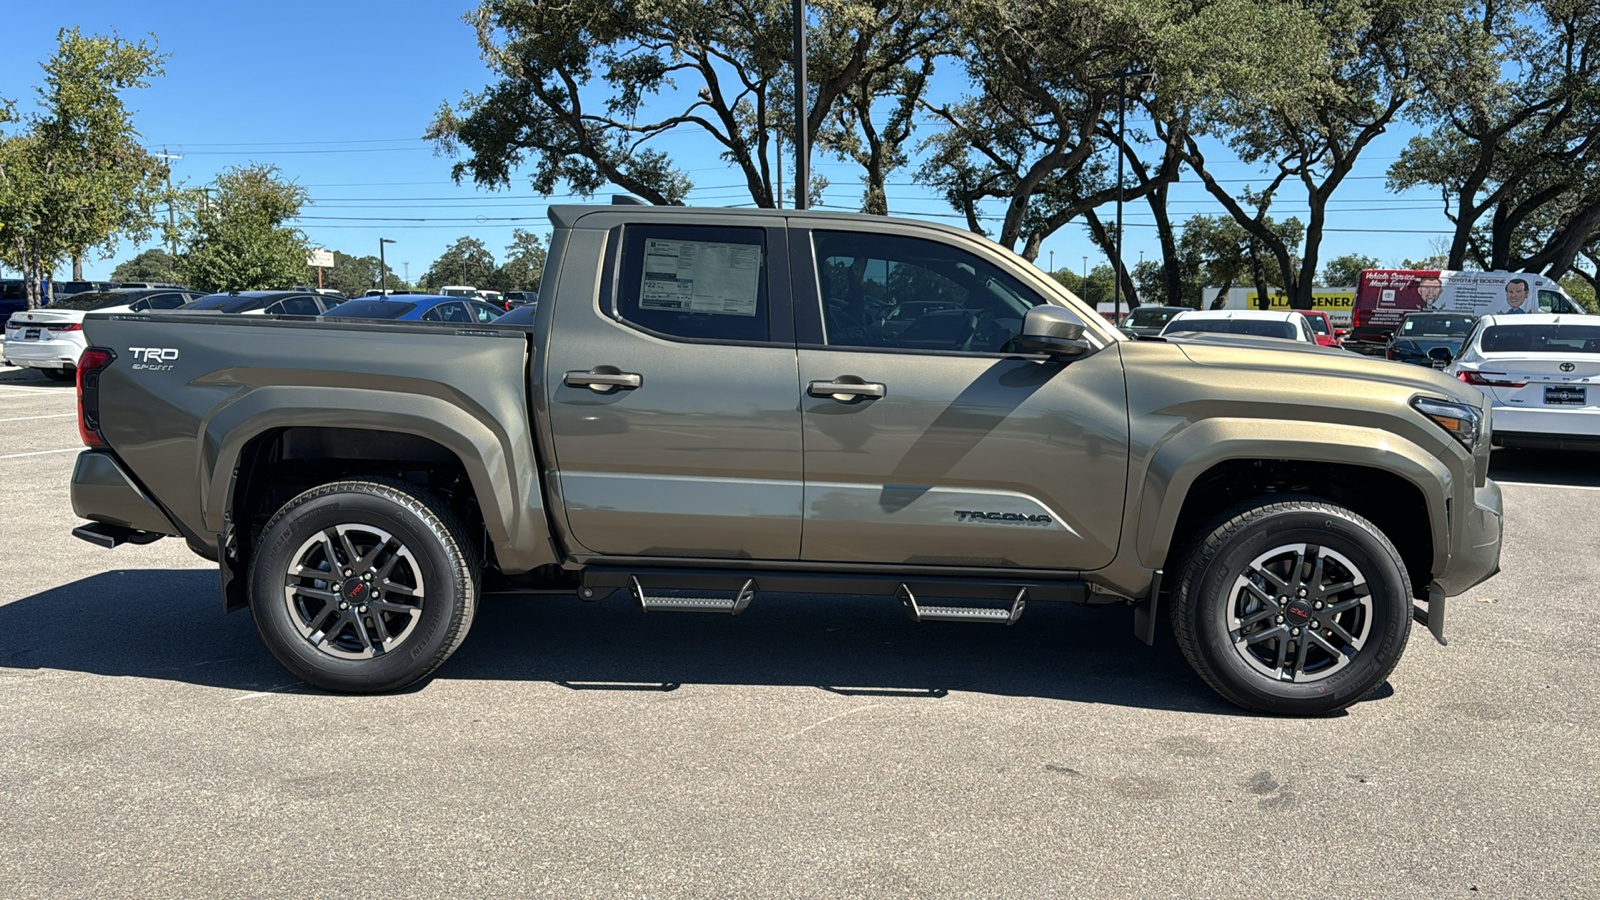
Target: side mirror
{"x":1442,"y":354}
{"x":1341,"y":332}
{"x":1053,"y":330}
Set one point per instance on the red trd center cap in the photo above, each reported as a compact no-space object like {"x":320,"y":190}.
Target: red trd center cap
{"x":1298,"y":612}
{"x":357,"y":591}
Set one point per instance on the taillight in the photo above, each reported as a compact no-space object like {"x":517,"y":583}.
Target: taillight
{"x":1392,"y":354}
{"x":74,"y":326}
{"x":1482,"y":378}
{"x":89,"y":365}
{"x":1358,"y":318}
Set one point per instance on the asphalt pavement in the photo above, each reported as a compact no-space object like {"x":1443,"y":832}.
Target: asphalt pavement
{"x":811,"y":747}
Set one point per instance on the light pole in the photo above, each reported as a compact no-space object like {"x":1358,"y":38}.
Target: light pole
{"x":1052,"y":262}
{"x":383,"y":269}
{"x":1085,"y":283}
{"x":802,"y":141}
{"x":1122,"y":135}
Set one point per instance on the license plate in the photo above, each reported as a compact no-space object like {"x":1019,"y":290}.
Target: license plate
{"x":1565,"y":396}
{"x":32,"y":334}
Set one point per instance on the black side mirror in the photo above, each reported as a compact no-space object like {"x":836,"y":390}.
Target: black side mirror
{"x":1053,"y":330}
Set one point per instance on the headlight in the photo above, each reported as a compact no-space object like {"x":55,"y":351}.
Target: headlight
{"x":1463,"y":422}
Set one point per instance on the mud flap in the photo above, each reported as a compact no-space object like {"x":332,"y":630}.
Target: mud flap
{"x":1144,"y":612}
{"x":1433,"y":616}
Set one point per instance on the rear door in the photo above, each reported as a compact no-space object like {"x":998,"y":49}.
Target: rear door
{"x":672,"y":387}
{"x":929,"y":439}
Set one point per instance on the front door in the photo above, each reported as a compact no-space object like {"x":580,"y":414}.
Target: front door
{"x":671,"y":379}
{"x":929,"y":439}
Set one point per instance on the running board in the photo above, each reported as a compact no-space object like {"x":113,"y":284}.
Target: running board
{"x":730,"y":605}
{"x":919,"y":613}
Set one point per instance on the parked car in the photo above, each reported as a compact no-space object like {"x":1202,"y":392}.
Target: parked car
{"x":145,"y":285}
{"x":264,"y":303}
{"x":1290,"y":326}
{"x":520,"y":315}
{"x":50,"y":338}
{"x":515,"y":299}
{"x":1147,"y":321}
{"x":458,"y":290}
{"x":60,"y":289}
{"x":13,"y":298}
{"x":1322,"y":330}
{"x":966,"y":440}
{"x":419,"y":308}
{"x":1429,"y":338}
{"x":1385,"y":295}
{"x":1536,"y":371}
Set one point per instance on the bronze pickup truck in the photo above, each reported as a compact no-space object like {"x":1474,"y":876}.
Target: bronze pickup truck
{"x":711,"y":404}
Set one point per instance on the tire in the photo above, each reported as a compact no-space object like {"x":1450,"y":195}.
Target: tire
{"x":1292,"y":658}
{"x":408,"y":601}
{"x":62,"y":373}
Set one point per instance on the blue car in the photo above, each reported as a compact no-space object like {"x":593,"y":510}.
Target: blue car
{"x":418,"y":308}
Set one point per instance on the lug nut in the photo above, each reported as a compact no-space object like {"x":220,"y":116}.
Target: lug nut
{"x":1315,"y":624}
{"x":1280,"y":620}
{"x":361,"y":608}
{"x":1317,"y":605}
{"x":366,"y":576}
{"x":1294,"y":631}
{"x":343,"y":605}
{"x":1302,"y":592}
{"x":337,"y":588}
{"x":347,"y":573}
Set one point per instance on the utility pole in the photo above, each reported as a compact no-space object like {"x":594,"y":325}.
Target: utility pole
{"x":802,"y":140}
{"x":172,"y":218}
{"x":407,"y":264}
{"x":1052,"y":262}
{"x":779,"y":181}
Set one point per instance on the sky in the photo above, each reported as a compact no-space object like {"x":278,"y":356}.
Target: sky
{"x":336,"y":95}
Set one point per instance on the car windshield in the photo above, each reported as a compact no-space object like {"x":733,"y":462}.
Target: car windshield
{"x":1254,"y":327}
{"x":227,"y":303}
{"x":1541,"y":339}
{"x":1318,"y":324}
{"x":371,"y":309}
{"x":1436,"y":326}
{"x":1146,"y":317}
{"x":92,"y":300}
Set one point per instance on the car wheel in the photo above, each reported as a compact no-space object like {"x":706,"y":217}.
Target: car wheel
{"x":363,"y":586}
{"x":1293,"y":607}
{"x":63,"y":373}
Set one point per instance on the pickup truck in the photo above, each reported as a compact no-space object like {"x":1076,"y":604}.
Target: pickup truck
{"x":714,"y":404}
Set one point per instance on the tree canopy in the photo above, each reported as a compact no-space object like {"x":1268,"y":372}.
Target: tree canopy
{"x":241,"y":240}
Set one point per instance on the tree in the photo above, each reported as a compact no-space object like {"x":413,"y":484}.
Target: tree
{"x":74,"y":178}
{"x":524,"y":265}
{"x":1516,"y":159}
{"x":240,"y":240}
{"x":467,"y":261}
{"x":353,"y":276}
{"x":727,"y":59}
{"x":151,"y":265}
{"x":1368,"y":59}
{"x":1345,"y":271}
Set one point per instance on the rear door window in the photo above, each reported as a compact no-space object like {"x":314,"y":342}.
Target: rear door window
{"x":695,"y":282}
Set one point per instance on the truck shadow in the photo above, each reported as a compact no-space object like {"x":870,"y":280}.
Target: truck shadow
{"x":169,"y":625}
{"x":1568,"y":468}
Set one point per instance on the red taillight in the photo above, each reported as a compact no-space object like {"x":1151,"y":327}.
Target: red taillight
{"x":1481,"y":378}
{"x":64,"y":326}
{"x":89,"y":365}
{"x":1391,"y":353}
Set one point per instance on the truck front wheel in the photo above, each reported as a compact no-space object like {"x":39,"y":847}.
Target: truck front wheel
{"x":363,"y":586}
{"x":1293,"y":607}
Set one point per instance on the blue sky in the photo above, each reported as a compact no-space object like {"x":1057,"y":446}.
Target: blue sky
{"x":336,"y":94}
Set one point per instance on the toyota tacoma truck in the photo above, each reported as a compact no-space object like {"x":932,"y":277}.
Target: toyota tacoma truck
{"x":715,"y":404}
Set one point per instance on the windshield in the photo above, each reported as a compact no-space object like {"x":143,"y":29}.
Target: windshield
{"x":370,"y":309}
{"x":227,"y":303}
{"x":1436,"y":326}
{"x":1254,"y":327}
{"x":93,"y":300}
{"x":1541,"y":339}
{"x":1146,"y":317}
{"x":1318,"y":324}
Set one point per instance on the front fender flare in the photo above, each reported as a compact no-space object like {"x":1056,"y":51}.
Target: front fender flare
{"x":1181,"y":459}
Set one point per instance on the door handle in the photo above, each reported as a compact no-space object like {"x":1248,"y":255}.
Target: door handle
{"x":845,"y":391}
{"x":604,"y":382}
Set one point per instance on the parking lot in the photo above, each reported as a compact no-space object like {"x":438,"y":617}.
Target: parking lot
{"x":814,"y":746}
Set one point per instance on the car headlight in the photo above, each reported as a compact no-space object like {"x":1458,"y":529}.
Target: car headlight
{"x":1463,"y":422}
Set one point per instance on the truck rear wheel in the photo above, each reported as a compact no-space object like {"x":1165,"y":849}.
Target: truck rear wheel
{"x":363,"y":586}
{"x":1293,"y":607}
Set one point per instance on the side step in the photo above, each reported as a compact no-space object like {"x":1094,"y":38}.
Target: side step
{"x":919,"y":613}
{"x":730,"y":605}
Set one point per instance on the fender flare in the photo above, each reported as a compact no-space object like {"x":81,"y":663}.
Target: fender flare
{"x":1181,"y":459}
{"x":491,"y":461}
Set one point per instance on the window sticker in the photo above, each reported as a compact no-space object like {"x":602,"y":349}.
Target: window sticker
{"x":700,"y":277}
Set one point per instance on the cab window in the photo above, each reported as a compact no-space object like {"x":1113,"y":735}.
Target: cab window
{"x":892,"y":292}
{"x":694,"y":281}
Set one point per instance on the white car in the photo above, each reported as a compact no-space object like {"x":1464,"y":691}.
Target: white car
{"x":1541,"y":374}
{"x":1290,"y":326}
{"x":50,"y":338}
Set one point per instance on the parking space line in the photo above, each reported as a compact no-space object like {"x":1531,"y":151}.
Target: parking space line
{"x":1559,"y":487}
{"x":41,"y":452}
{"x":31,"y":418}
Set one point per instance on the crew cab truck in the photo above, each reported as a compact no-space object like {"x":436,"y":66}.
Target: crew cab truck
{"x":715,"y":404}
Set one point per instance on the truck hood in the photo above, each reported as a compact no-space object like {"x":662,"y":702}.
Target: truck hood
{"x":1266,"y":359}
